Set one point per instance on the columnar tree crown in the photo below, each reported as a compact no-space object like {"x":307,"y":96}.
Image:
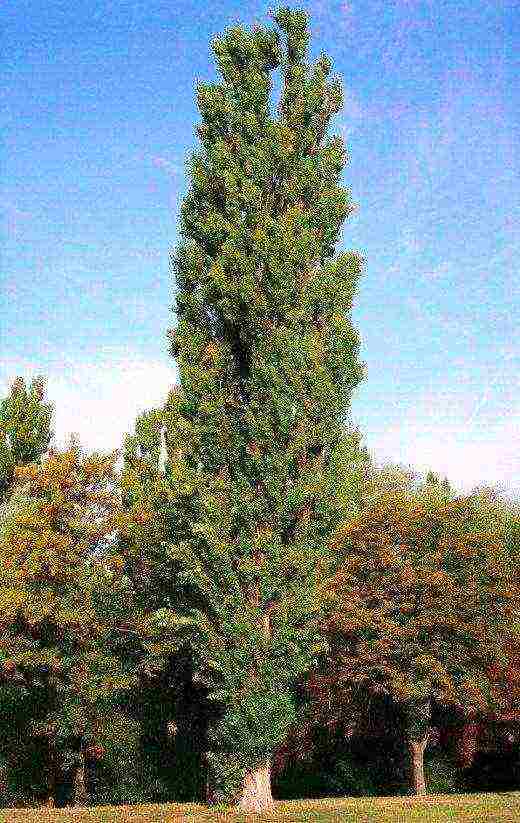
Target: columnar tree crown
{"x":258,"y":447}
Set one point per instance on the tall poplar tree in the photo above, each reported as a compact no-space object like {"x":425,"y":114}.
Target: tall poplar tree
{"x":257,"y":431}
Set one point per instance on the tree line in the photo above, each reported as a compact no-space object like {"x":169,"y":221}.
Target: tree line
{"x":247,"y":597}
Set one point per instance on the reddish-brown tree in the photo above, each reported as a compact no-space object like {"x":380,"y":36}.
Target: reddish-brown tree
{"x":423,"y":601}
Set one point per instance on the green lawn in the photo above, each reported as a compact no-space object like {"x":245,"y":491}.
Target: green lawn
{"x":484,"y":808}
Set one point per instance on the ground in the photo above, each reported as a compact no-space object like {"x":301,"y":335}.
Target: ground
{"x":476,"y":808}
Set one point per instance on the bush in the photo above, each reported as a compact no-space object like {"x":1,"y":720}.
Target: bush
{"x":442,"y":777}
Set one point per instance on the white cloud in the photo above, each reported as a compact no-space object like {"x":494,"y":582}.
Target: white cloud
{"x":471,"y":439}
{"x":98,"y":399}
{"x":457,"y":436}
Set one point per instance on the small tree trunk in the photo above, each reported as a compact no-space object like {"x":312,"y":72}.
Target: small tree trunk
{"x":51,"y":765}
{"x":3,"y":781}
{"x":80,"y":796}
{"x":417,"y":748}
{"x":256,"y":792}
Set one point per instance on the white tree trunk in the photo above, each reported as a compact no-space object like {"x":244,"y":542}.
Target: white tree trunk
{"x":256,"y":793}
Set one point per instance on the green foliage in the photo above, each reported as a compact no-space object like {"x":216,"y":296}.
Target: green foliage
{"x":120,"y":775}
{"x":226,"y":771}
{"x":352,"y":779}
{"x":380,"y":481}
{"x":335,"y":762}
{"x":146,"y":500}
{"x":249,"y":540}
{"x":417,"y":711}
{"x":492,"y":512}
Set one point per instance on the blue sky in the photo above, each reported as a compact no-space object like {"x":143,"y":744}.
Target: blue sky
{"x":99,"y":115}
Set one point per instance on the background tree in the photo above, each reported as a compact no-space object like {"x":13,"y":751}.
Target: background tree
{"x":25,"y":433}
{"x":424,"y":601}
{"x":491,"y":511}
{"x":170,"y":706}
{"x":379,"y":481}
{"x":61,"y":607}
{"x":268,"y":359}
{"x":337,"y":735}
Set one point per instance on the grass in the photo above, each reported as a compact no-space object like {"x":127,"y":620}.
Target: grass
{"x":470,"y":808}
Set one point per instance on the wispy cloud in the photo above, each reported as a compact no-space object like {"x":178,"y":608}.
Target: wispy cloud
{"x":466,"y":433}
{"x":14,"y":218}
{"x":352,"y":113}
{"x":10,"y":208}
{"x":166,"y":165}
{"x":138,"y":308}
{"x":346,"y":7}
{"x":439,"y":272}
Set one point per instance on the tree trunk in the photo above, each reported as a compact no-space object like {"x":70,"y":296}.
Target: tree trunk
{"x":80,"y":796}
{"x":417,"y":748}
{"x":256,"y":792}
{"x":51,"y":765}
{"x":256,"y":789}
